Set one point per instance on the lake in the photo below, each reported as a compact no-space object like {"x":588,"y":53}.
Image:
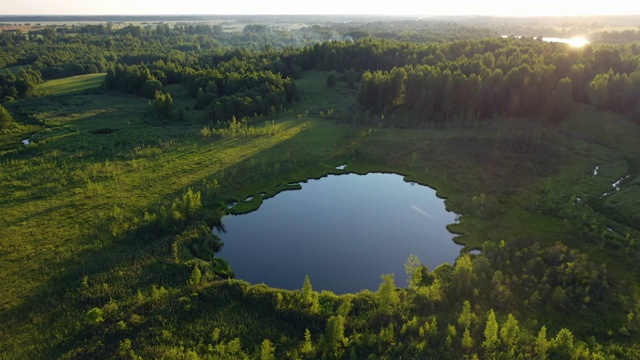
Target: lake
{"x":577,"y":41}
{"x":344,"y":231}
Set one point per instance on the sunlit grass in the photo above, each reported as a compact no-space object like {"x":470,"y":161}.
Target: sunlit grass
{"x":71,"y":196}
{"x":72,"y":84}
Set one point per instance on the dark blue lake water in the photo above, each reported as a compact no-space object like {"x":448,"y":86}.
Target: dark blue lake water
{"x":343,"y":231}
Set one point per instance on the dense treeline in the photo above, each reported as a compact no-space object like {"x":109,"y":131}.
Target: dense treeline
{"x":467,"y":78}
{"x":620,"y":37}
{"x":14,"y":87}
{"x":61,"y":51}
{"x":233,"y":88}
{"x":480,"y":78}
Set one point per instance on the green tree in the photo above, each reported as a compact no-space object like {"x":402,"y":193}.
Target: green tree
{"x":5,"y":118}
{"x":345,"y":308}
{"x":150,"y":87}
{"x":491,"y":340}
{"x":334,"y":336}
{"x":307,"y":347}
{"x":309,"y":297}
{"x":413,"y":268}
{"x":562,"y":346}
{"x":94,"y":316}
{"x":386,"y":294}
{"x":597,"y":91}
{"x":398,"y":77}
{"x":162,"y":105}
{"x":561,"y":99}
{"x":509,"y":333}
{"x":196,"y":276}
{"x":466,"y":317}
{"x":541,"y":345}
{"x":467,"y":340}
{"x":267,"y":350}
{"x":307,"y":290}
{"x":447,"y":99}
{"x":332,"y":79}
{"x":351,"y":78}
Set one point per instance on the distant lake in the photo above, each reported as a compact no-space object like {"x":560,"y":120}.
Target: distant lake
{"x":574,"y":41}
{"x":344,"y":231}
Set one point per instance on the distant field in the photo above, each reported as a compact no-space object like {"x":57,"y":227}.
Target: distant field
{"x":72,"y":84}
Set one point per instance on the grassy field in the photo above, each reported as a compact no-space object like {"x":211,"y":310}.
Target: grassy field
{"x":72,"y":84}
{"x":95,"y":169}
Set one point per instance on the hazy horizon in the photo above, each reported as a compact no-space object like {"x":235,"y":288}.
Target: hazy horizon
{"x":329,"y":7}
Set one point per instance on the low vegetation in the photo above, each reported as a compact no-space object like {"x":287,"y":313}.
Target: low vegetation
{"x":105,"y":242}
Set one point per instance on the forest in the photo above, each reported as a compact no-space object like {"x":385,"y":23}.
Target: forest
{"x":123,"y":144}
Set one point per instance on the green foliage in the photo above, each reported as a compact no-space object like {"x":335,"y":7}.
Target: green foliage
{"x":221,"y":268}
{"x":196,"y":242}
{"x":309,"y":297}
{"x":509,"y":333}
{"x":541,"y":345}
{"x":267,"y":350}
{"x":242,"y":129}
{"x":597,"y":91}
{"x":413,"y":268}
{"x":24,"y":84}
{"x":345,"y":307}
{"x":307,"y":347}
{"x":386,"y":295}
{"x":162,"y":105}
{"x":491,"y":340}
{"x":467,"y":340}
{"x":181,"y":210}
{"x":5,"y":118}
{"x":351,"y":78}
{"x":94,"y":316}
{"x":334,"y":336}
{"x":135,"y":204}
{"x":332,"y":79}
{"x":196,"y":276}
{"x":561,"y":100}
{"x":466,"y":318}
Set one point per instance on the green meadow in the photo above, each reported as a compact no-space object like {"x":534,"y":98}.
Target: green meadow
{"x":76,"y":205}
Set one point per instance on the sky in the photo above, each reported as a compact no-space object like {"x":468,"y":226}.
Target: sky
{"x":517,"y":8}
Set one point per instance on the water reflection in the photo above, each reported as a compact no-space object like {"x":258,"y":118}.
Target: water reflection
{"x":343,"y":231}
{"x":576,"y":42}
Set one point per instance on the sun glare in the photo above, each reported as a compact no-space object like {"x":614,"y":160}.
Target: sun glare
{"x":577,"y":42}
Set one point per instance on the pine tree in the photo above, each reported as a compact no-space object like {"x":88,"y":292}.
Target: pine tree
{"x":307,"y":347}
{"x":267,"y":350}
{"x":510,"y":331}
{"x":541,"y":346}
{"x":334,"y":335}
{"x":467,"y":340}
{"x":309,"y":297}
{"x":196,"y":276}
{"x":466,"y":316}
{"x":307,"y":290}
{"x":491,"y":334}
